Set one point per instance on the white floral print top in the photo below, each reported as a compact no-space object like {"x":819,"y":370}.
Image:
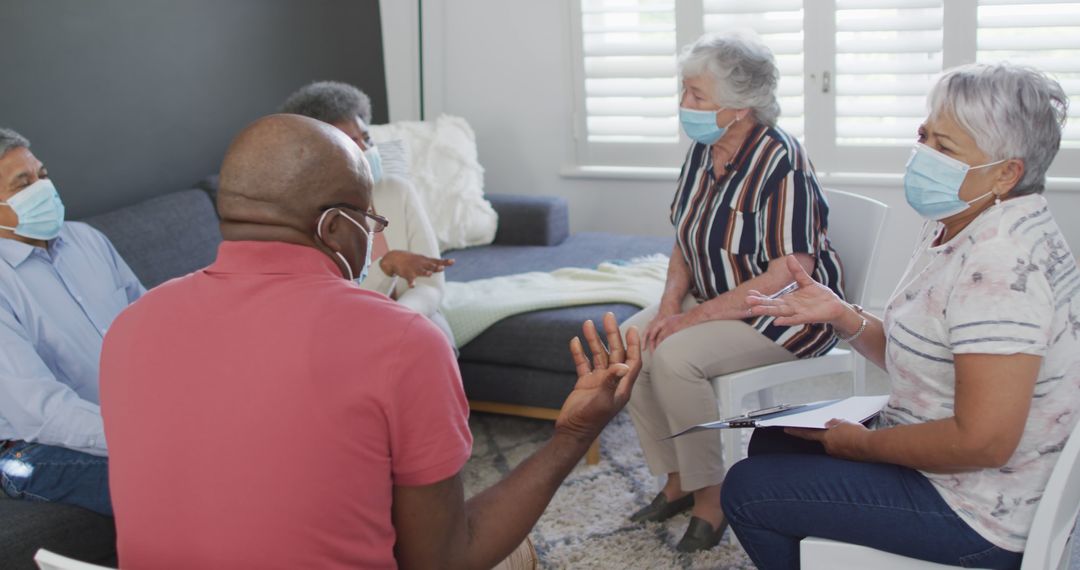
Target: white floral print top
{"x":1006,"y":284}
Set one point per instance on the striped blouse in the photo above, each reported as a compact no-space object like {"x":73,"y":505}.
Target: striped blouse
{"x":767,"y":206}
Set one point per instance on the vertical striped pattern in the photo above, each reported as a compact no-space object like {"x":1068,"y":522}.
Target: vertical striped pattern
{"x":769,"y":206}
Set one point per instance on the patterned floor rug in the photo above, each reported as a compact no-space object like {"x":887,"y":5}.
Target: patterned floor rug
{"x":586,"y":525}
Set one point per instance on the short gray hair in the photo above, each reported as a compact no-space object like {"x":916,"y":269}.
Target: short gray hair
{"x":329,"y":102}
{"x":10,"y":139}
{"x":742,"y":67}
{"x":1011,"y":111}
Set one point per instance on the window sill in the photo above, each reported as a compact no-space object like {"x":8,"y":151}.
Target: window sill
{"x":868,"y":180}
{"x":620,"y":173}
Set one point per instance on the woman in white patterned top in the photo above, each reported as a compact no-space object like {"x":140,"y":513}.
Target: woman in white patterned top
{"x":981,"y":340}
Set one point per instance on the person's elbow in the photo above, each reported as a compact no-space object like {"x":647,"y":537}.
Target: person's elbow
{"x":988,"y":450}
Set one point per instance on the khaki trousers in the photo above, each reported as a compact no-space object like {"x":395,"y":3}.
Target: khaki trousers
{"x":673,"y":392}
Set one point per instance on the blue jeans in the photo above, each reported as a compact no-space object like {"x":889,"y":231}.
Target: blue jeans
{"x":36,"y":472}
{"x":784,"y":493}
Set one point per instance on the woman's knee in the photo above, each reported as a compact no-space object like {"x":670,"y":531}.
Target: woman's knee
{"x":671,"y":362}
{"x":639,"y":319}
{"x":738,"y":486}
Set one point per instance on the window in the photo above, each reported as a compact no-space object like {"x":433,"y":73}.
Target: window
{"x":887,"y":55}
{"x":628,"y":82}
{"x":854,"y":74}
{"x":1045,"y":35}
{"x":780,"y":25}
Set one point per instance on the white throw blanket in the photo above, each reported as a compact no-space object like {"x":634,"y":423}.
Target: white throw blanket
{"x":471,"y":307}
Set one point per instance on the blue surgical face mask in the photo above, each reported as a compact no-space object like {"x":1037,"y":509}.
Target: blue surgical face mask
{"x":40,"y":211}
{"x":701,"y":126}
{"x":932,"y":183}
{"x":367,"y":256}
{"x":375,"y":162}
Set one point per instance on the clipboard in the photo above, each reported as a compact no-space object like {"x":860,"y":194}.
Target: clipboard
{"x":812,"y":415}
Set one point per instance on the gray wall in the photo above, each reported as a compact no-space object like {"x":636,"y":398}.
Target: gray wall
{"x":127,"y":99}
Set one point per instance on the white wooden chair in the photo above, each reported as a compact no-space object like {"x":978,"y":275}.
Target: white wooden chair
{"x":1047,"y":545}
{"x":855,"y":228}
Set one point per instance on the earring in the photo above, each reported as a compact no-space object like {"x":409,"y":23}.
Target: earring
{"x":997,"y":199}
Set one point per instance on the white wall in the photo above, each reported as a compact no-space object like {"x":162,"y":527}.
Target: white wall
{"x":504,"y":65}
{"x":506,"y":69}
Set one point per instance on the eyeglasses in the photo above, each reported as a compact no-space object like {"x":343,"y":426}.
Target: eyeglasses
{"x":378,"y":223}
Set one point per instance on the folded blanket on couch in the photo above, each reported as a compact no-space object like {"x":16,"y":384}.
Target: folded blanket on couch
{"x":473,"y":306}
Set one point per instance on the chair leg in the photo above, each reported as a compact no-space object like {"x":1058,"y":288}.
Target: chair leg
{"x":730,"y":405}
{"x":592,"y":457}
{"x":858,"y":375}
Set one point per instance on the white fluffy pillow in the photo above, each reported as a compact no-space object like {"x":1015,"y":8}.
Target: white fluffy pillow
{"x":395,"y":159}
{"x":448,"y":178}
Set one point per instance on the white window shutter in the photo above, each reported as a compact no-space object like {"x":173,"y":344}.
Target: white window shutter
{"x":888,"y":54}
{"x":780,"y":25}
{"x":631,"y":90}
{"x":1042,"y":34}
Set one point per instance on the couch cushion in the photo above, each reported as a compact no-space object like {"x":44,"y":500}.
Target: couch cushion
{"x":530,"y":220}
{"x":516,"y":385}
{"x":164,"y":237}
{"x":64,"y":529}
{"x":539,"y":339}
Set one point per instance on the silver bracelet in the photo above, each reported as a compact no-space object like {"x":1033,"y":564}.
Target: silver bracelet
{"x":862,"y":329}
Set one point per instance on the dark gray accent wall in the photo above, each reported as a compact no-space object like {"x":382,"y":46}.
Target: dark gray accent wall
{"x":126,"y":99}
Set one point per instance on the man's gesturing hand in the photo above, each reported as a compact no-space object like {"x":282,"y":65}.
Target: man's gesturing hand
{"x":604,"y":385}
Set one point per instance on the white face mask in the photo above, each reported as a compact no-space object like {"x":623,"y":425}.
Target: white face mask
{"x":367,"y":255}
{"x":374,"y":162}
{"x":39,"y":209}
{"x":932,"y":182}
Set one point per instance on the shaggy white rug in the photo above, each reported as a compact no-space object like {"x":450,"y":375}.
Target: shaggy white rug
{"x":586,"y":525}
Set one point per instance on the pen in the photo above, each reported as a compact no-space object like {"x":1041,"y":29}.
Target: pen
{"x":790,"y":288}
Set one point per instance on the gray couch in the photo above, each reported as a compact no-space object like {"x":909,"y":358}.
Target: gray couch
{"x":521,"y":360}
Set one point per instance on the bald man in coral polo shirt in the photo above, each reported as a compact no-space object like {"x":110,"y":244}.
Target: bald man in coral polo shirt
{"x":265,"y":412}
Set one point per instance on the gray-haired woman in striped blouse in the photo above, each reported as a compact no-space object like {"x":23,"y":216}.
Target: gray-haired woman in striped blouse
{"x":747,"y":197}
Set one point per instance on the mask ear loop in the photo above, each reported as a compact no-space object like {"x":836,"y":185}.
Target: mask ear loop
{"x":2,"y":203}
{"x":997,"y":197}
{"x":318,"y":232}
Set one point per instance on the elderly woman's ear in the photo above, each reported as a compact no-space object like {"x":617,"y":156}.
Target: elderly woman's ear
{"x":1010,"y":174}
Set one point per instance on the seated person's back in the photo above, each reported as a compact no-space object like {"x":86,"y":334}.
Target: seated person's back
{"x":275,"y":426}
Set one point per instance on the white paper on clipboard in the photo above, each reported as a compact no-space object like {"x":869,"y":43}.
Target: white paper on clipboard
{"x":813,"y":415}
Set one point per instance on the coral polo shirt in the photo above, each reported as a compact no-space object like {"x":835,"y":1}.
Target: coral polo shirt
{"x":259,"y":413}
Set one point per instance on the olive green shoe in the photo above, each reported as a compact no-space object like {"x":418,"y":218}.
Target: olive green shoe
{"x":700,"y":535}
{"x":661,"y":510}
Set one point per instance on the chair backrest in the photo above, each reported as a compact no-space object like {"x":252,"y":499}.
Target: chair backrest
{"x":855,"y":227}
{"x":47,"y":560}
{"x":1057,"y":510}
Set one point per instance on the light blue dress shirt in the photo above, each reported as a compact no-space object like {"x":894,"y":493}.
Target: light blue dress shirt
{"x":55,"y":306}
